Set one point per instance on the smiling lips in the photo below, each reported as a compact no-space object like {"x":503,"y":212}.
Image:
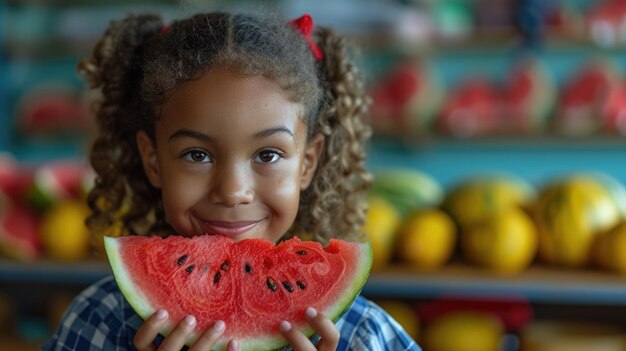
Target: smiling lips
{"x":231,"y":229}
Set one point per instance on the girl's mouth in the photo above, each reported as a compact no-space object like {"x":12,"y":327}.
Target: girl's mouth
{"x":231,"y":229}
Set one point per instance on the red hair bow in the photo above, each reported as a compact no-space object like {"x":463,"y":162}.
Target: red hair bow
{"x":304,"y":25}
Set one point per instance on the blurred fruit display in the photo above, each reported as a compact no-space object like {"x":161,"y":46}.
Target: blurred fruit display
{"x":14,"y":181}
{"x":533,"y":92}
{"x":571,"y":336}
{"x":56,"y":181}
{"x":585,"y":98}
{"x":405,"y":314}
{"x":406,"y":99}
{"x":52,"y":110}
{"x":43,"y":210}
{"x":529,"y":94}
{"x":479,"y":197}
{"x":605,"y":22}
{"x":513,"y":312}
{"x":381,"y":222}
{"x":464,"y":331}
{"x":571,"y":211}
{"x":505,"y":243}
{"x":407,"y":189}
{"x":528,"y":101}
{"x":426,"y":239}
{"x":64,"y":234}
{"x":498,"y":222}
{"x":615,"y":111}
{"x":395,"y":194}
{"x":472,"y":109}
{"x":19,"y":234}
{"x":609,"y":249}
{"x":410,"y":99}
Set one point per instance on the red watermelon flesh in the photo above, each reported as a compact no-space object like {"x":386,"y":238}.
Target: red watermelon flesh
{"x":472,"y":110}
{"x":19,"y":234}
{"x":585,"y":98}
{"x":529,"y":95}
{"x":252,"y":285}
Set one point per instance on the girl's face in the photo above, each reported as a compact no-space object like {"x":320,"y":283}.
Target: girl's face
{"x":230,"y":156}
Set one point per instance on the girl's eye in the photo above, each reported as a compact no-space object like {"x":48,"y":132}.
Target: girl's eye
{"x":267,"y":156}
{"x":197,"y":156}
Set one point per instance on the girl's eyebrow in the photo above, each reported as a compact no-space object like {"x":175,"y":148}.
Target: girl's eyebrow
{"x":201,"y":136}
{"x":270,"y":131}
{"x":190,"y":134}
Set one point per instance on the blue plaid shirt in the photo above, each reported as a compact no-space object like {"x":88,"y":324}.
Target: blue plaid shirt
{"x":101,"y":319}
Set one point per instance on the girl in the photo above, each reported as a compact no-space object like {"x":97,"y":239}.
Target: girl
{"x":228,"y":124}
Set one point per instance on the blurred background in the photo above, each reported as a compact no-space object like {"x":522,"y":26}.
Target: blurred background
{"x":499,"y":154}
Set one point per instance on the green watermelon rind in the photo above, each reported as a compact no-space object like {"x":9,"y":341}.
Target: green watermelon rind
{"x":134,"y":297}
{"x":407,"y":189}
{"x":138,"y":301}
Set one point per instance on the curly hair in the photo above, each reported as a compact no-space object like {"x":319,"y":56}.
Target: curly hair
{"x":137,"y":64}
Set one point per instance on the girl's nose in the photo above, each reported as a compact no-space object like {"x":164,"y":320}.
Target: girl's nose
{"x":231,"y":186}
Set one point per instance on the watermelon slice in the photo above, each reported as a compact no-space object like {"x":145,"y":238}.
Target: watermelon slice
{"x":19,"y":234}
{"x":56,"y":181}
{"x":252,"y":285}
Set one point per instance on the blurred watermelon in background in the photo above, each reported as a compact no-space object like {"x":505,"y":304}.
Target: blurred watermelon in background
{"x":31,"y":199}
{"x":473,"y":109}
{"x":406,"y":99}
{"x":529,"y":96}
{"x":56,"y":181}
{"x":406,"y":189}
{"x":52,"y":111}
{"x":585,"y":98}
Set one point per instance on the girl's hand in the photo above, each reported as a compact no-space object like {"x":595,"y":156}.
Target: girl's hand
{"x":325,"y":328}
{"x":144,"y":339}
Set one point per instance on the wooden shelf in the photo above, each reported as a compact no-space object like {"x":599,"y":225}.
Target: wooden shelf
{"x":537,"y":284}
{"x":84,"y":272}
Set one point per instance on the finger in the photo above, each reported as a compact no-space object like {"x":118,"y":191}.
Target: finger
{"x":144,"y":338}
{"x":177,"y":338}
{"x":297,"y":340}
{"x":233,"y":345}
{"x":208,"y":339}
{"x":325,"y":328}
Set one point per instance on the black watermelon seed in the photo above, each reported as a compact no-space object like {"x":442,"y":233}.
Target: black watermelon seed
{"x":217,"y":277}
{"x":190,"y":268}
{"x":225,"y":266}
{"x":248,"y":268}
{"x":181,"y":260}
{"x":300,"y":285}
{"x":301,"y":252}
{"x":271,"y":284}
{"x":288,"y":286}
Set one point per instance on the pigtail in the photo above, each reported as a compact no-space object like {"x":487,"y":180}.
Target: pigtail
{"x":114,"y":69}
{"x":334,"y":204}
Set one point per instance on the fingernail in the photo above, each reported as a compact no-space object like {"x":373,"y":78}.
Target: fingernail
{"x":233,"y":345}
{"x":311,"y":312}
{"x":161,"y":314}
{"x":285,"y":326}
{"x":219,"y":326}
{"x":190,"y":320}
